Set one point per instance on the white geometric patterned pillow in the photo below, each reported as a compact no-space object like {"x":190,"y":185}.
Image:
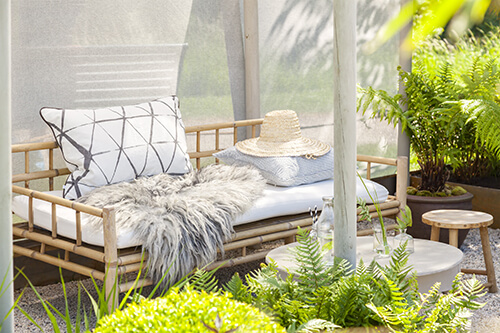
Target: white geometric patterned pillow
{"x":116,"y":144}
{"x":283,"y":170}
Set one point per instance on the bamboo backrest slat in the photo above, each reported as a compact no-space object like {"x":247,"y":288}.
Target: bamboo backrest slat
{"x":26,"y":167}
{"x":51,"y":167}
{"x":217,"y":143}
{"x":198,"y":149}
{"x":235,"y":124}
{"x":22,"y":147}
{"x":377,"y":159}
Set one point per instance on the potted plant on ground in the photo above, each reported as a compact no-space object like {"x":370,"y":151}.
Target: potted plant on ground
{"x":427,"y":125}
{"x":472,"y":70}
{"x":452,"y":105}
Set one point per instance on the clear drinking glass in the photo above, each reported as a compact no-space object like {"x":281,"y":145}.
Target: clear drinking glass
{"x":324,"y":228}
{"x":380,"y":241}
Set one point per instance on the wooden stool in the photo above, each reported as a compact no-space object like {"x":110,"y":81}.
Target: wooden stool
{"x":454,"y":219}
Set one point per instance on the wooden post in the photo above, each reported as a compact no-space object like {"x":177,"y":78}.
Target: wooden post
{"x":405,"y":63}
{"x":110,"y":257}
{"x":6,"y":263}
{"x":344,"y":109}
{"x":252,"y":69}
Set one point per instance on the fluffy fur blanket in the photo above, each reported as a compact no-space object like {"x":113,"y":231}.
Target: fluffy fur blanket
{"x":181,"y":220}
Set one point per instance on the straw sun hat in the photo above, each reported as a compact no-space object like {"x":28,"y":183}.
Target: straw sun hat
{"x":280,"y":136}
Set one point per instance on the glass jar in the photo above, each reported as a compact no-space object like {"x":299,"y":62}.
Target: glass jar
{"x":380,"y":241}
{"x":324,"y":229}
{"x":404,"y":238}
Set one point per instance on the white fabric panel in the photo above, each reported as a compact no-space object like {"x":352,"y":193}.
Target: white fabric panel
{"x":296,"y":51}
{"x":90,"y":53}
{"x":276,"y":201}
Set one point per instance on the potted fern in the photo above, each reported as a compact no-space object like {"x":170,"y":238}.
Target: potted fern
{"x":452,"y":105}
{"x":426,"y":120}
{"x":472,"y":68}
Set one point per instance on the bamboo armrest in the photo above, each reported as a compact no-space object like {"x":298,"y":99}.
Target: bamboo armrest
{"x":58,"y":200}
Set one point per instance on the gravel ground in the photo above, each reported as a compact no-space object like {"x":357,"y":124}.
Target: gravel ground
{"x":485,"y":320}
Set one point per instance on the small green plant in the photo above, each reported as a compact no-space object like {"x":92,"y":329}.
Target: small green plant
{"x":406,"y":220}
{"x":100,"y":306}
{"x":386,"y":249}
{"x":188,"y":311}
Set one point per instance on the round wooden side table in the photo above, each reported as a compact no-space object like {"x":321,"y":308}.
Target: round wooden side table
{"x":455,"y":219}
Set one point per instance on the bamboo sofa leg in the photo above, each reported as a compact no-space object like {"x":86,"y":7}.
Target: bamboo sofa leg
{"x":110,"y":258}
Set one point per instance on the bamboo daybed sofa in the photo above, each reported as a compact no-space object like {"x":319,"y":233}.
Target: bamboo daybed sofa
{"x":33,"y":241}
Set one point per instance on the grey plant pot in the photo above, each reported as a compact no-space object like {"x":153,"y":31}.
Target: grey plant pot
{"x":420,"y":205}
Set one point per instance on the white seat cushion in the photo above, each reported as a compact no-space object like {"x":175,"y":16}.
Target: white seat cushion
{"x":279,"y":201}
{"x":276,"y":201}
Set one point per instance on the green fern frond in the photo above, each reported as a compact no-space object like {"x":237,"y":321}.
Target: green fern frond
{"x":487,"y":116}
{"x":203,"y":280}
{"x":311,"y":272}
{"x":238,"y":289}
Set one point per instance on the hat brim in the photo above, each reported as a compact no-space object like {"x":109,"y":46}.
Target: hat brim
{"x":300,"y":147}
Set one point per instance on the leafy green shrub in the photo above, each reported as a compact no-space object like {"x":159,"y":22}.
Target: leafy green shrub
{"x":188,"y":311}
{"x":317,"y":297}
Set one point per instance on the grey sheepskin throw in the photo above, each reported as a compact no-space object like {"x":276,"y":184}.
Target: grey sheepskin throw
{"x":181,"y":220}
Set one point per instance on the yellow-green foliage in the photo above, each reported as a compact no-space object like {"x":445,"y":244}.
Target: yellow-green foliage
{"x":447,"y":192}
{"x":188,"y":311}
{"x":458,"y":190}
{"x":411,"y":190}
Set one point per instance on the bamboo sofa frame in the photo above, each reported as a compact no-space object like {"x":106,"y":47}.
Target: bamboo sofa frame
{"x":35,"y":242}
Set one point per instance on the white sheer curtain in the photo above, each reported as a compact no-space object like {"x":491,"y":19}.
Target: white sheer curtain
{"x":78,"y":54}
{"x":296,"y":43}
{"x":97,"y":53}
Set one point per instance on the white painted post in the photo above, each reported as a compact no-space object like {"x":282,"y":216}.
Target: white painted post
{"x":405,"y":63}
{"x":344,"y":110}
{"x":252,"y":69}
{"x":6,"y":264}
